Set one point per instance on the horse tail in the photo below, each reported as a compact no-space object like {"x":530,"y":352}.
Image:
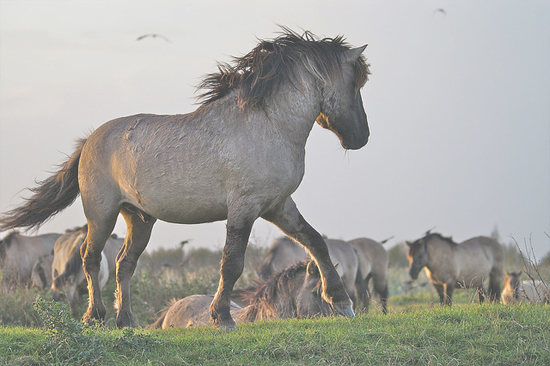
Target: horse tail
{"x":50,"y":197}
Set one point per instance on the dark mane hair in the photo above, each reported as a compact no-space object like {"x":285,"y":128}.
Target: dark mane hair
{"x":262,"y":297}
{"x":429,"y":236}
{"x":271,"y":63}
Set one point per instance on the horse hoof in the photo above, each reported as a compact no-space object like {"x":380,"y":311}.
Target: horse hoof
{"x":345,"y":310}
{"x":228,"y":327}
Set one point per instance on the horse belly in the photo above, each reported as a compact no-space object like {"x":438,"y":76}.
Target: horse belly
{"x":185,"y":209}
{"x":474,"y":268}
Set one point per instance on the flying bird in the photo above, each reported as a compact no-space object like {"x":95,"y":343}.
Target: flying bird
{"x":440,"y":11}
{"x":153,"y":35}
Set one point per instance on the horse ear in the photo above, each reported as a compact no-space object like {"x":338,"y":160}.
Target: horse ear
{"x":408,"y":243}
{"x":336,"y":265}
{"x":354,"y":54}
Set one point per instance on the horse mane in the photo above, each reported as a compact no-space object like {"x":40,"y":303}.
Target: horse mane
{"x":449,"y":240}
{"x":262,"y":296}
{"x":263,"y":70}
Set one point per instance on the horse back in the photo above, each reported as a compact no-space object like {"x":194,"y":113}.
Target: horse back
{"x":374,"y":259}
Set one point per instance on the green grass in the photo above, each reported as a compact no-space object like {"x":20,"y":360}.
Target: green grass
{"x":465,"y":334}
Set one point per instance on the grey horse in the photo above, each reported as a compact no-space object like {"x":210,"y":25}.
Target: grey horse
{"x":238,"y":157}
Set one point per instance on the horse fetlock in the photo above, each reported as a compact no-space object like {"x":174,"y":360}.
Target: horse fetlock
{"x":93,"y":315}
{"x":125,"y":319}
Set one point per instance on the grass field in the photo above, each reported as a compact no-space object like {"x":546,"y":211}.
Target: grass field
{"x":416,"y":331}
{"x":466,"y":334}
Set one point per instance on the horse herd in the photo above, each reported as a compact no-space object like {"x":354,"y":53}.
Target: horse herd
{"x":288,"y":283}
{"x":238,"y":157}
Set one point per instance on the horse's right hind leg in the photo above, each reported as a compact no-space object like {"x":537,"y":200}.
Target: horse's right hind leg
{"x":137,"y":237}
{"x":381,"y":288}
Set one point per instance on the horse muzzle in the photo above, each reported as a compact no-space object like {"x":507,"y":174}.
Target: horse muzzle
{"x":413,"y":272}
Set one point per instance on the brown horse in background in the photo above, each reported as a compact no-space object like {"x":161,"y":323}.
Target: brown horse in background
{"x":466,"y":265}
{"x":294,"y":292}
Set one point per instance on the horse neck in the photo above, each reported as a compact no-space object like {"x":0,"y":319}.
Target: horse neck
{"x":294,"y":108}
{"x":439,"y":253}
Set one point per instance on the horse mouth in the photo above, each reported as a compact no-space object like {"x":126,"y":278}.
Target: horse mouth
{"x":354,"y":144}
{"x":413,"y":274}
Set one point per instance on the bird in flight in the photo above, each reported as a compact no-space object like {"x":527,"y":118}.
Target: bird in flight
{"x":153,"y":35}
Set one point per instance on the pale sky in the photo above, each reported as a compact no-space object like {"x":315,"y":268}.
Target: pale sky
{"x":458,"y":106}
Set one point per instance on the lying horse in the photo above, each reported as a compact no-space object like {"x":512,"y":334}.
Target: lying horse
{"x":285,"y":252}
{"x":465,"y":265}
{"x":294,"y":292}
{"x":515,"y":290}
{"x":374,"y":262}
{"x":19,"y":253}
{"x":238,"y":157}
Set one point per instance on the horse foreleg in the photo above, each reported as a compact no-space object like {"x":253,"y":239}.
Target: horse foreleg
{"x":441,"y":292}
{"x":289,"y":220}
{"x":238,"y":232}
{"x":138,"y":233}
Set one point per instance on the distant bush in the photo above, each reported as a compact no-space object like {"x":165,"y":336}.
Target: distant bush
{"x":398,"y":256}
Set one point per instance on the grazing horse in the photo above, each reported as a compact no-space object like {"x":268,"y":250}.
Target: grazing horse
{"x":42,"y":272}
{"x":466,"y":265}
{"x":294,"y":292}
{"x":68,"y":279}
{"x":374,"y":261}
{"x":238,"y":157}
{"x":515,"y":290}
{"x":285,"y":252}
{"x":19,"y":253}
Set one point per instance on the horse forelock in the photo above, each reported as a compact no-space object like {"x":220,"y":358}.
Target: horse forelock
{"x":271,"y":63}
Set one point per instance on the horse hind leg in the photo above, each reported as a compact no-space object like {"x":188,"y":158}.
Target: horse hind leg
{"x":138,"y":228}
{"x":381,"y":288}
{"x":494,"y":288}
{"x":98,"y":233}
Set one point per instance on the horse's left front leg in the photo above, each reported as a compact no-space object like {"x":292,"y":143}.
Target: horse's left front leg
{"x":238,"y":232}
{"x":289,"y":220}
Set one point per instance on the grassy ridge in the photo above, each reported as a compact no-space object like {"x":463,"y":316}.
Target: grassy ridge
{"x":461,"y":335}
